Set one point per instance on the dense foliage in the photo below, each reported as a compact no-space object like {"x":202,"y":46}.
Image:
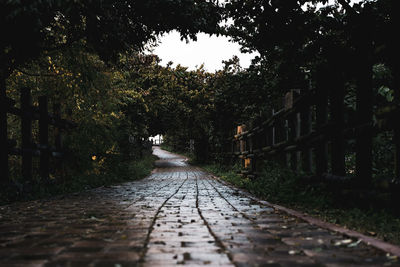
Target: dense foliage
{"x":106,"y":27}
{"x":309,"y":45}
{"x":90,"y":56}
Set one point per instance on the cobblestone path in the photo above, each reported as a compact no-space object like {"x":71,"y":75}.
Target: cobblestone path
{"x":177,"y":215}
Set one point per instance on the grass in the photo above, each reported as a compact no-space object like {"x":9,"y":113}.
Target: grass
{"x":281,"y":186}
{"x":186,"y":153}
{"x":117,"y":171}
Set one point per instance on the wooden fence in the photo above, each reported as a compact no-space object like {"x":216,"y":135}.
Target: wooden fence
{"x":310,"y":134}
{"x":28,"y":149}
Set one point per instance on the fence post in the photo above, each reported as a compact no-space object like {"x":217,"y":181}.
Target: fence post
{"x":396,"y":130}
{"x":292,"y":136}
{"x":292,"y":127}
{"x":44,"y":137}
{"x":396,"y":139}
{"x":3,"y":132}
{"x":321,"y":150}
{"x":280,"y":136}
{"x":272,"y":140}
{"x":305,"y":128}
{"x":337,"y":115}
{"x":26,"y":131}
{"x":250,"y":140}
{"x":232,"y":147}
{"x":57,"y":135}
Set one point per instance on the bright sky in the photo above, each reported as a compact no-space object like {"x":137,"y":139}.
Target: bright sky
{"x":210,"y":50}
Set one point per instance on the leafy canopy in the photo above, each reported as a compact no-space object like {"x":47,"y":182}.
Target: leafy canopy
{"x":107,"y":27}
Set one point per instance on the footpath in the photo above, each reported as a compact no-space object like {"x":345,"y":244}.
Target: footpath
{"x":179,"y":215}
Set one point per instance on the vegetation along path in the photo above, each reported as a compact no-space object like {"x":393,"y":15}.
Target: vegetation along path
{"x":177,"y":215}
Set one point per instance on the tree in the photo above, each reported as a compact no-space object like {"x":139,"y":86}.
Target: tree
{"x":30,"y":28}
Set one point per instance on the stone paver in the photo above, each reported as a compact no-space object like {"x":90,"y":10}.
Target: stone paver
{"x":179,"y":215}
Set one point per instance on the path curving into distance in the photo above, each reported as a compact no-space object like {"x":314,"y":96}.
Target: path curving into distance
{"x":179,"y":215}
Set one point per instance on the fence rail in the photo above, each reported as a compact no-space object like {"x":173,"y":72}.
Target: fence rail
{"x":310,"y":133}
{"x":28,"y":149}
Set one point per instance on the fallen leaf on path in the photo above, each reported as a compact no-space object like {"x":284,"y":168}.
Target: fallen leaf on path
{"x":343,"y":242}
{"x":294,"y":252}
{"x":354,"y":244}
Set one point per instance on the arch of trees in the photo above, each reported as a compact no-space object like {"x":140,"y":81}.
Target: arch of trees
{"x":89,"y":54}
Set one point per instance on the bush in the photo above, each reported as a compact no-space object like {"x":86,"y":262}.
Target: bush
{"x":122,"y":171}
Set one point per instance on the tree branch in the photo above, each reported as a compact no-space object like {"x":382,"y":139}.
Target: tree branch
{"x":39,"y":74}
{"x":347,"y":7}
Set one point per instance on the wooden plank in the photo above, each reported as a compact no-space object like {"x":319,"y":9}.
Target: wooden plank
{"x":26,"y":132}
{"x":280,"y":137}
{"x":293,"y":125}
{"x":337,"y":92}
{"x":266,"y":148}
{"x":57,"y":132}
{"x":44,"y":137}
{"x":305,"y":129}
{"x":293,"y":131}
{"x":301,"y":102}
{"x":275,"y":116}
{"x":4,"y":171}
{"x":57,"y":140}
{"x":396,"y":131}
{"x":321,"y":116}
{"x":396,"y":140}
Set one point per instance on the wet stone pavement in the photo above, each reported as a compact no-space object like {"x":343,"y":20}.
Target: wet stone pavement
{"x":177,"y":215}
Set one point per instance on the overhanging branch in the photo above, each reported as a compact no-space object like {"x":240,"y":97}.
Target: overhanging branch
{"x":39,"y":74}
{"x":347,"y":7}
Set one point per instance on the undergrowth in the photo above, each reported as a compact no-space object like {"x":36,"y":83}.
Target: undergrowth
{"x":118,"y":171}
{"x":281,"y":186}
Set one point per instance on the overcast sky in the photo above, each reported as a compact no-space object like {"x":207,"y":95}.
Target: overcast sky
{"x":210,"y":50}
